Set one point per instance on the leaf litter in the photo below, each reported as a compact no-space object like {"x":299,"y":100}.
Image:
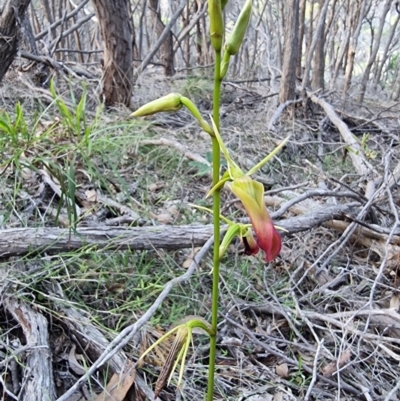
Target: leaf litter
{"x":322,"y":322}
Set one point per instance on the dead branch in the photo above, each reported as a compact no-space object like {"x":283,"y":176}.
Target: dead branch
{"x":162,"y":37}
{"x":73,"y":28}
{"x":178,"y":146}
{"x":38,"y":371}
{"x":129,"y":332}
{"x":361,"y":165}
{"x":193,"y":21}
{"x":20,"y":241}
{"x":282,"y":356}
{"x":92,"y":338}
{"x":278,"y":112}
{"x":77,"y":322}
{"x":55,"y":24}
{"x":50,"y":239}
{"x":368,"y":238}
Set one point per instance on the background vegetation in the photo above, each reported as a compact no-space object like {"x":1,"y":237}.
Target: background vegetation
{"x":97,"y":232}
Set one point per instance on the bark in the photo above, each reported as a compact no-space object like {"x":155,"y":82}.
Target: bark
{"x":166,"y":32}
{"x":52,"y":240}
{"x":302,"y":15}
{"x":385,"y":54}
{"x":319,"y":54}
{"x":310,"y":30}
{"x":361,"y":165}
{"x":38,"y":383}
{"x":332,"y":31}
{"x":20,"y":241}
{"x":396,"y":93}
{"x":185,"y":23}
{"x":167,"y":53}
{"x":360,"y":13}
{"x":11,"y":19}
{"x":115,"y":28}
{"x":374,"y":52}
{"x":28,"y":40}
{"x":317,"y":38}
{"x":330,"y":19}
{"x":290,"y":48}
{"x":344,"y":46}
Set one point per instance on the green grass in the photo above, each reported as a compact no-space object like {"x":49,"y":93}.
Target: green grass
{"x":114,"y":288}
{"x":102,"y":150}
{"x":195,"y":87}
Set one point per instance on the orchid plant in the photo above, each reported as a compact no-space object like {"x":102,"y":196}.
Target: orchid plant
{"x":249,"y":191}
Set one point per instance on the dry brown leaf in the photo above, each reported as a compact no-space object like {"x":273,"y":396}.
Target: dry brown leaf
{"x":173,"y":210}
{"x":331,"y":368}
{"x":186,"y":264}
{"x":156,"y":186}
{"x":74,"y":365}
{"x":395,"y":302}
{"x":278,"y":396}
{"x":164,"y":218}
{"x":282,"y":370}
{"x":116,"y":288}
{"x":323,"y":277}
{"x":118,"y":385}
{"x":91,"y":195}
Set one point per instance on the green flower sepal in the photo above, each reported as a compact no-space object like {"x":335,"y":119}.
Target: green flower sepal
{"x":251,"y":194}
{"x":179,"y":349}
{"x":243,"y":231}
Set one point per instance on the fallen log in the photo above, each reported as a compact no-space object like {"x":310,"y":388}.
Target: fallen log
{"x":22,"y":241}
{"x":38,"y":383}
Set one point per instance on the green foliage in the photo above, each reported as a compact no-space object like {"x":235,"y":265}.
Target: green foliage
{"x":368,"y":152}
{"x":14,"y":130}
{"x":205,"y":169}
{"x":74,"y":117}
{"x":196,"y":87}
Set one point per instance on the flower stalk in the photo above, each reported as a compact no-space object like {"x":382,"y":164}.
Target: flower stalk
{"x":216,"y":222}
{"x":249,"y":191}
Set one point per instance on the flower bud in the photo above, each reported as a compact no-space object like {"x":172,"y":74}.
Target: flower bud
{"x":216,"y":24}
{"x":171,"y":102}
{"x":234,"y":41}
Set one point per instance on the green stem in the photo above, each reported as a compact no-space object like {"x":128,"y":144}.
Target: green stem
{"x":216,"y":221}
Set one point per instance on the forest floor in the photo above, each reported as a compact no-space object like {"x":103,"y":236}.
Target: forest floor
{"x":91,"y":203}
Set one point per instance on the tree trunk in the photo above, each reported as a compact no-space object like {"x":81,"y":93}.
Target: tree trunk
{"x":115,"y":28}
{"x":360,"y":13}
{"x":290,"y":48}
{"x":374,"y":52}
{"x":167,"y":52}
{"x":302,"y":16}
{"x":319,"y":54}
{"x":309,"y":34}
{"x":385,"y":54}
{"x":344,"y":46}
{"x":11,"y":18}
{"x":317,"y":38}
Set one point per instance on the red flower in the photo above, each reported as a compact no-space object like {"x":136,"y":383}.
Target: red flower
{"x":251,"y":193}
